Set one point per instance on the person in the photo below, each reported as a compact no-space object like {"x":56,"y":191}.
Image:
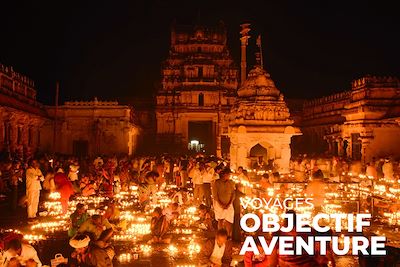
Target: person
{"x":159,"y":227}
{"x":16,"y":178}
{"x":217,"y":251}
{"x":147,"y":189}
{"x":265,"y":184}
{"x":98,"y":162}
{"x":95,"y":225}
{"x":303,"y":260}
{"x":206,"y":219}
{"x":183,"y":166}
{"x":33,"y":177}
{"x":112,"y":212}
{"x":197,"y":173}
{"x":31,"y":263}
{"x":236,"y":231}
{"x":48,"y":183}
{"x":73,"y":171}
{"x":13,"y":262}
{"x":78,"y":217}
{"x":208,"y":179}
{"x":23,"y":252}
{"x":240,"y":175}
{"x":224,"y":193}
{"x":64,"y":187}
{"x":171,"y":212}
{"x":370,"y":170}
{"x":387,"y":169}
{"x":86,"y":187}
{"x":261,"y":260}
{"x":244,"y":179}
{"x":89,"y":254}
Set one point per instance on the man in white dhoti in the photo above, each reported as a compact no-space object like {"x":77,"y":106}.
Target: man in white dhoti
{"x":33,"y":177}
{"x":224,"y":194}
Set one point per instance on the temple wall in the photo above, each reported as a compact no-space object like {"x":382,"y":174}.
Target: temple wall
{"x":21,"y":116}
{"x":369,"y":110}
{"x":386,"y":142}
{"x":91,"y":128}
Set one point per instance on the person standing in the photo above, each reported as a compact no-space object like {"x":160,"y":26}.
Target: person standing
{"x":184,"y":165}
{"x":33,"y":177}
{"x":387,"y":169}
{"x":236,"y":229}
{"x":197,"y":174}
{"x":64,"y":187}
{"x":15,"y":183}
{"x":224,"y":194}
{"x":208,"y":179}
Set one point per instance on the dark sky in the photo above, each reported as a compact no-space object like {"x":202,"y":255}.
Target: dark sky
{"x":113,"y":49}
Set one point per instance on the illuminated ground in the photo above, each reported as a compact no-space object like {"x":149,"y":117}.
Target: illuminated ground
{"x":159,"y":257}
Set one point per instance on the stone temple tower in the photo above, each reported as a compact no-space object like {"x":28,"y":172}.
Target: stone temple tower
{"x":198,"y":87}
{"x":260,"y":128}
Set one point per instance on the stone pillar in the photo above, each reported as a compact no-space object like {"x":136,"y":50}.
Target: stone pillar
{"x":364,"y":155}
{"x":13,"y":135}
{"x":242,"y":154}
{"x":218,"y":139}
{"x":330,"y":145}
{"x":25,"y":135}
{"x":233,"y":151}
{"x":340,"y":146}
{"x":284,"y":162}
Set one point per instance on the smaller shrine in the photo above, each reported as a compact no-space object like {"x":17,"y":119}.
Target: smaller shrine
{"x":260,"y":128}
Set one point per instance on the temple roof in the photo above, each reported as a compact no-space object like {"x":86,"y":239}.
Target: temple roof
{"x":259,"y":84}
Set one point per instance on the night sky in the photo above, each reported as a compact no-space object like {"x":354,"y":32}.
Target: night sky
{"x":114,"y":49}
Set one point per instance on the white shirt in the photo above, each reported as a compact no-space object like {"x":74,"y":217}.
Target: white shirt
{"x":33,"y":177}
{"x":73,"y":172}
{"x":208,"y":176}
{"x":217,"y":254}
{"x":28,"y":252}
{"x":197,"y":176}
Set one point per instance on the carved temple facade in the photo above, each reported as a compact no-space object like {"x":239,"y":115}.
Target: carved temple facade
{"x":93,"y":127}
{"x":260,"y":127}
{"x":200,"y":106}
{"x":198,"y":88}
{"x":21,"y":116}
{"x":360,"y":123}
{"x":82,"y":128}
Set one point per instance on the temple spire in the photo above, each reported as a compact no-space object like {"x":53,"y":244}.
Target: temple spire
{"x":244,"y":32}
{"x":259,"y":55}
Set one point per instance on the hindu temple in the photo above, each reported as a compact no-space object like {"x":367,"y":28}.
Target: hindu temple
{"x":260,"y":127}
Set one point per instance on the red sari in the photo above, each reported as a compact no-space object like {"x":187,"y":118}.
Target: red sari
{"x":65,"y":188}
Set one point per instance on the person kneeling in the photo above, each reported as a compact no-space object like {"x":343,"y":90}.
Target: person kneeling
{"x":218,"y":251}
{"x":89,"y":254}
{"x":159,"y":227}
{"x":23,"y":252}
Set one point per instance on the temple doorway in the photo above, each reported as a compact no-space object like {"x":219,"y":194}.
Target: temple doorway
{"x":356,"y":146}
{"x":201,"y":137}
{"x":258,"y":156}
{"x":80,"y":148}
{"x":225,"y":146}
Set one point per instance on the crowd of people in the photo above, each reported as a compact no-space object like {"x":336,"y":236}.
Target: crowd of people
{"x":210,"y":179}
{"x":338,"y":168}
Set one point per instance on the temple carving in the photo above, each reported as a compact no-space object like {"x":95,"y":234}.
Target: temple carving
{"x":360,"y":123}
{"x":260,"y":127}
{"x":199,"y":82}
{"x":200,"y":107}
{"x":22,"y":117}
{"x":81,"y":128}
